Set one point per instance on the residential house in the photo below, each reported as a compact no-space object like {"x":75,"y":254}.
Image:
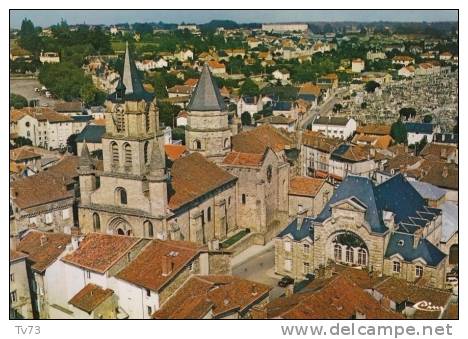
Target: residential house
{"x":285,"y":108}
{"x":407,"y":71}
{"x":279,"y":121}
{"x":20,"y":294}
{"x":216,"y":67}
{"x":336,"y":127}
{"x":281,"y":75}
{"x":402,"y":60}
{"x":251,"y":104}
{"x":418,"y":131}
{"x":352,"y":159}
{"x":92,"y":135}
{"x":308,"y":196}
{"x":49,"y":58}
{"x":357,"y":65}
{"x":180,"y":91}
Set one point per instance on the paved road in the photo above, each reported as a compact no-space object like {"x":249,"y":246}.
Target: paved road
{"x":324,"y":109}
{"x":25,"y":87}
{"x":261,"y":269}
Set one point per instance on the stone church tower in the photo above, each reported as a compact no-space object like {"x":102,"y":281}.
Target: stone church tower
{"x":208,"y":131}
{"x":129,"y":196}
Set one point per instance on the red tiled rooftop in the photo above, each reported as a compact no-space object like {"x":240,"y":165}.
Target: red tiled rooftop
{"x":90,"y":297}
{"x":305,"y":186}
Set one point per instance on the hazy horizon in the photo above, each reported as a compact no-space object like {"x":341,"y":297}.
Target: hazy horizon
{"x":46,"y":18}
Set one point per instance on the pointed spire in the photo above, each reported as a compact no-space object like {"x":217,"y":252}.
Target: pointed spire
{"x":130,"y":83}
{"x":206,"y":96}
{"x":158,"y":162}
{"x":85,"y":157}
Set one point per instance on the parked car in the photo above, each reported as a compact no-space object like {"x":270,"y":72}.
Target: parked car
{"x":285,"y":281}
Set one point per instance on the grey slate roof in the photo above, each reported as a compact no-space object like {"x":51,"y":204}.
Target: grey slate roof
{"x":299,"y":229}
{"x":427,"y":190}
{"x":333,"y":121}
{"x":449,"y":220}
{"x":92,"y":134}
{"x":419,"y":128}
{"x":130,"y":81}
{"x":395,"y":195}
{"x":206,"y":96}
{"x":402,"y":244}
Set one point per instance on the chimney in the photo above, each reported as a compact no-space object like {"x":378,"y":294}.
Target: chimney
{"x":166,"y":265}
{"x":417,"y":237}
{"x":43,"y":239}
{"x":445,"y":172}
{"x":254,"y":290}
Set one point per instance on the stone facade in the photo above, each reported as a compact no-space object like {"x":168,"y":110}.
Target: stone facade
{"x":294,"y":258}
{"x":20,"y":297}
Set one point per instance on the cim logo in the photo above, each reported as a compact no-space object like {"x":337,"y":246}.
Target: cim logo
{"x":427,"y":306}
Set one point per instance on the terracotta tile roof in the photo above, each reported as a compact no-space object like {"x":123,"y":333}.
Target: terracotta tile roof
{"x":400,"y":291}
{"x":305,"y":186}
{"x":440,"y":174}
{"x":16,"y":168}
{"x":98,"y":251}
{"x":40,"y":113}
{"x":191,"y":82}
{"x":339,"y":299}
{"x":175,"y":152}
{"x":374,"y":129}
{"x":309,"y":88}
{"x":43,"y":248}
{"x":383,"y":142}
{"x":146,"y":270}
{"x":20,"y":154}
{"x":439,"y":151}
{"x":15,"y":255}
{"x":243,"y":159}
{"x":220,"y":293}
{"x":320,"y":142}
{"x":182,"y":89}
{"x":193,"y":176}
{"x":258,"y":139}
{"x":352,"y":153}
{"x":452,"y":312}
{"x":402,"y":160}
{"x":68,"y":106}
{"x":215,"y":64}
{"x":90,"y":297}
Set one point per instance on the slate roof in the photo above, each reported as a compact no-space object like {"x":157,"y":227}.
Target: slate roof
{"x":419,"y":128}
{"x":130,"y":80}
{"x":427,"y":190}
{"x":206,"y":96}
{"x":299,"y":229}
{"x":329,"y":120}
{"x":92,"y":134}
{"x":283,"y":106}
{"x":402,"y":244}
{"x":449,"y":220}
{"x":395,"y":195}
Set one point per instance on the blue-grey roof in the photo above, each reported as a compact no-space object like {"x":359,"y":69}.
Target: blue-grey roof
{"x":420,"y":128}
{"x":282,"y":106}
{"x":447,"y":138}
{"x":92,"y":134}
{"x":395,"y":195}
{"x":307,"y":97}
{"x":206,"y":96}
{"x":449,"y":220}
{"x":427,"y":190}
{"x":403,"y":244}
{"x":299,"y":230}
{"x":81,"y":118}
{"x":364,"y":190}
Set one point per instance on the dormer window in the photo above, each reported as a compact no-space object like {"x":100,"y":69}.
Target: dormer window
{"x":401,"y":243}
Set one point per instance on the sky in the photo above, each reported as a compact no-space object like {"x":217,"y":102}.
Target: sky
{"x":46,"y":18}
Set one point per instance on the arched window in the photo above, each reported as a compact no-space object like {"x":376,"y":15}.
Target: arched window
{"x":149,"y":231}
{"x":349,"y":255}
{"x":115,"y":153}
{"x":243,"y":199}
{"x":453,"y":255}
{"x":96,"y":222}
{"x":208,"y":214}
{"x":362,"y":257}
{"x":147,"y":121}
{"x":128,"y":155}
{"x":226,"y":143}
{"x":197,"y":144}
{"x":120,"y":196}
{"x":337,"y":252}
{"x":145,"y":152}
{"x":120,"y":231}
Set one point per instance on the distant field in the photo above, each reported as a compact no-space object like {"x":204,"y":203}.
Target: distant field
{"x":119,"y":46}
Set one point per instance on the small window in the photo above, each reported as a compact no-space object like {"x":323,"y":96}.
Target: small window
{"x":419,"y":271}
{"x":149,"y":310}
{"x":12,"y":277}
{"x":96,"y":222}
{"x":229,"y":201}
{"x":13,"y":296}
{"x":88,"y":274}
{"x":306,"y":268}
{"x":197,"y":144}
{"x":243,"y":199}
{"x":129,"y":257}
{"x":288,"y":265}
{"x":306,"y":248}
{"x":27,"y":124}
{"x":401,"y":243}
{"x":148,"y":293}
{"x":396,"y":267}
{"x":208,"y":214}
{"x":203,"y":218}
{"x":66,"y":214}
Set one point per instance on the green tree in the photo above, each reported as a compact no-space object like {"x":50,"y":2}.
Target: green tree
{"x":427,"y":118}
{"x":168,"y":113}
{"x":18,"y":101}
{"x":71,"y":144}
{"x":246,"y":119}
{"x":249,"y":88}
{"x":159,"y":85}
{"x":398,"y":132}
{"x":370,"y":86}
{"x":22,"y":141}
{"x":407,"y":112}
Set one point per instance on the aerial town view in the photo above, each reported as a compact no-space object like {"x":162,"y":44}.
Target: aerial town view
{"x":164,"y":166}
